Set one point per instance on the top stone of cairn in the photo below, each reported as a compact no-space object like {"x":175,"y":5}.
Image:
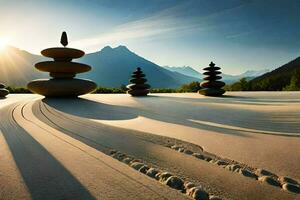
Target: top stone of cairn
{"x":62,"y":53}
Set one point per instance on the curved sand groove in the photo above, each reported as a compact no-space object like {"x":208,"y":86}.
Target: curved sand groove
{"x":162,"y":116}
{"x":245,"y":129}
{"x":58,"y":122}
{"x":103,"y":137}
{"x":55,"y":166}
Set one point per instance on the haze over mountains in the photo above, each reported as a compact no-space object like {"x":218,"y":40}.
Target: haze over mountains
{"x":111,"y":67}
{"x":227,"y":78}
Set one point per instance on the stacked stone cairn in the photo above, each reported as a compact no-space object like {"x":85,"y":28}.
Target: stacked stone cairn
{"x":138,"y":86}
{"x":62,"y":70}
{"x":211,"y":86}
{"x":3,"y":92}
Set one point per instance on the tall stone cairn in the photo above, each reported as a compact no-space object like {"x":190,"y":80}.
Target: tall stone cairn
{"x":138,"y":86}
{"x":3,"y":92}
{"x":62,"y":71}
{"x":211,"y":86}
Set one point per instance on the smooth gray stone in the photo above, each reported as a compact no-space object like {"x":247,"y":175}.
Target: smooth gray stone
{"x":138,"y":92}
{"x":211,"y":92}
{"x":61,"y":87}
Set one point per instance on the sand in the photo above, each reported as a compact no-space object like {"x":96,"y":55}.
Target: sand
{"x":57,"y":148}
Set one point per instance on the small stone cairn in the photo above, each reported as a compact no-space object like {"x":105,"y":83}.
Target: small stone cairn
{"x":138,"y":86}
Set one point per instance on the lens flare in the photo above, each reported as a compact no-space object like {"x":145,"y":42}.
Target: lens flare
{"x":3,"y":42}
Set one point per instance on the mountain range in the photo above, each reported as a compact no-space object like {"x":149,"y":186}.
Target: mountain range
{"x":227,"y":78}
{"x":279,"y":78}
{"x":111,"y":67}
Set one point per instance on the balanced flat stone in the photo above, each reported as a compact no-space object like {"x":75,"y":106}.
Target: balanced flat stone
{"x":61,"y":53}
{"x":62,"y":87}
{"x":62,"y":67}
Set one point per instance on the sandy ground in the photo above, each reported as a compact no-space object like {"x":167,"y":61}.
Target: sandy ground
{"x":54,"y":148}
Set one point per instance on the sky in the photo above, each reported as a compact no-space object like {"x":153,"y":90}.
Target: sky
{"x":238,"y":35}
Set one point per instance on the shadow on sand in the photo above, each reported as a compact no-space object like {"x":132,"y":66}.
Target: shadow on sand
{"x":45,"y":177}
{"x":86,"y":108}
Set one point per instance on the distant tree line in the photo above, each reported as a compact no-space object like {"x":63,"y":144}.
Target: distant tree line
{"x":191,"y":87}
{"x":270,"y":83}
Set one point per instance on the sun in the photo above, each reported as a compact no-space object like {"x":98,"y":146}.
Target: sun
{"x":3,"y":42}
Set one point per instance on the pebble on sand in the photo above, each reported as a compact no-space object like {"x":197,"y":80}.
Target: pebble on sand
{"x":127,"y":160}
{"x":175,"y":147}
{"x":174,"y":182}
{"x":199,"y":156}
{"x":285,"y":179}
{"x":269,"y":180}
{"x":221,"y":162}
{"x":137,"y":165}
{"x":144,"y":169}
{"x":152,"y":172}
{"x":291,"y":187}
{"x":198,"y":193}
{"x":164,"y":176}
{"x":263,"y":172}
{"x":189,"y":185}
{"x":232,"y":167}
{"x":189,"y":152}
{"x":247,"y":173}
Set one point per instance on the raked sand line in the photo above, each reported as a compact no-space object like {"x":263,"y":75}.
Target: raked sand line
{"x":89,"y":125}
{"x":224,"y":126}
{"x":261,"y":175}
{"x":102,"y":176}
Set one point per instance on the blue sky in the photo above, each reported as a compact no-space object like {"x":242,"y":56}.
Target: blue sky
{"x":238,"y":35}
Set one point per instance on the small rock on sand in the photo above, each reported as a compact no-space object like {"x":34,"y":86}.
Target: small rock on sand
{"x":137,"y":165}
{"x":208,"y":159}
{"x":152,"y":172}
{"x":199,"y":156}
{"x":175,"y":147}
{"x":263,"y":172}
{"x":291,"y":187}
{"x":221,"y":162}
{"x":181,"y":149}
{"x":174,"y":182}
{"x":112,"y":151}
{"x":119,"y":156}
{"x":269,"y":180}
{"x":164,"y":176}
{"x":285,"y":179}
{"x":189,"y":152}
{"x":232,"y":167}
{"x":127,"y":160}
{"x":248,"y":173}
{"x":144,"y":169}
{"x":198,"y":193}
{"x":189,"y":185}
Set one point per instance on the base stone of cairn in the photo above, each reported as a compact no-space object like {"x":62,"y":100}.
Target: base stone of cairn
{"x":3,"y":92}
{"x":138,"y":86}
{"x":211,"y":86}
{"x":62,"y":70}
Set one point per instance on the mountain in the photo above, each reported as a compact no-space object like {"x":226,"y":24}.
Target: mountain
{"x":189,"y":71}
{"x":277,"y":79}
{"x":16,"y":66}
{"x":253,"y":73}
{"x":185,"y":70}
{"x":111,"y":67}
